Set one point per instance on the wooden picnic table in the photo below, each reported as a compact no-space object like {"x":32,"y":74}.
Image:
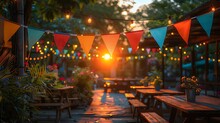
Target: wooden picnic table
{"x":121,"y":83}
{"x":57,"y":98}
{"x":141,"y":87}
{"x":150,"y":93}
{"x":204,"y":106}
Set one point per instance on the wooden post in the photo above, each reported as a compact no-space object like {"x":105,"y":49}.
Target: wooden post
{"x":20,"y":37}
{"x":206,"y":64}
{"x":134,"y":68}
{"x":193,"y":61}
{"x":216,"y":61}
{"x":181,"y":63}
{"x":163,"y":75}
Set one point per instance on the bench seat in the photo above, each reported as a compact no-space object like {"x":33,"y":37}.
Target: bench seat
{"x":136,"y":104}
{"x":152,"y":117}
{"x":129,"y":96}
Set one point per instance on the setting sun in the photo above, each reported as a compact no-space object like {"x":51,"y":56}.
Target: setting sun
{"x":106,"y":56}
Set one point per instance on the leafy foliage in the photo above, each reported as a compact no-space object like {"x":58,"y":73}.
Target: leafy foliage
{"x":15,"y":92}
{"x":159,"y":11}
{"x":83,"y":80}
{"x":190,"y":83}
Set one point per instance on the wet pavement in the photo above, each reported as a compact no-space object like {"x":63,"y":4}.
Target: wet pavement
{"x":106,"y":107}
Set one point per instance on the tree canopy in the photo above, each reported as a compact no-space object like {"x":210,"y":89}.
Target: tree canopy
{"x":160,"y":11}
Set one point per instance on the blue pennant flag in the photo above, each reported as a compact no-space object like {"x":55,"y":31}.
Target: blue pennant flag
{"x":57,"y":52}
{"x":206,"y":21}
{"x":33,"y":36}
{"x":159,"y":35}
{"x":129,"y":49}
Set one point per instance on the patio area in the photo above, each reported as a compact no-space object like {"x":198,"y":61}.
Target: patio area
{"x":106,"y":107}
{"x":101,"y":61}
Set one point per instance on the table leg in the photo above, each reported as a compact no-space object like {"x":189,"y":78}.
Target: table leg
{"x":172,"y":115}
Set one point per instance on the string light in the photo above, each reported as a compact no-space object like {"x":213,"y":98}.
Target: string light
{"x":89,"y":20}
{"x":67,"y":15}
{"x":169,"y":20}
{"x":213,"y":9}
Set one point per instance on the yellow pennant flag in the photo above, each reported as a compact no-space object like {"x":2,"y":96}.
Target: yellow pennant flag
{"x":9,"y":29}
{"x":86,"y":43}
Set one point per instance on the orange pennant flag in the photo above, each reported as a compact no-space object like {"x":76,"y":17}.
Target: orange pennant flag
{"x":8,"y":44}
{"x":86,"y":43}
{"x":183,"y":29}
{"x":9,"y":29}
{"x":110,"y":42}
{"x":1,"y":32}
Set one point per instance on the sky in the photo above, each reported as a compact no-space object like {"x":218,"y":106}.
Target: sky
{"x":139,"y":3}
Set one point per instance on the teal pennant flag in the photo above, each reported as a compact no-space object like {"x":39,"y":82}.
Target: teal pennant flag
{"x":65,"y":51}
{"x":206,"y":21}
{"x":159,"y":35}
{"x":33,"y":36}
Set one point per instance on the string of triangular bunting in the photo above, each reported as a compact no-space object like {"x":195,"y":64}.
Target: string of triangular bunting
{"x":8,"y":29}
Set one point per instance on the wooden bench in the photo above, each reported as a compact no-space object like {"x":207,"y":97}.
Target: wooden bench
{"x":136,"y":104}
{"x":58,"y":106}
{"x":152,"y":117}
{"x":129,"y":96}
{"x":52,"y":101}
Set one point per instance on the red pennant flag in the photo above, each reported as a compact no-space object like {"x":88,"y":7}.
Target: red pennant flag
{"x":110,"y":41}
{"x":183,"y":29}
{"x":61,"y":40}
{"x":86,"y":43}
{"x":134,"y":39}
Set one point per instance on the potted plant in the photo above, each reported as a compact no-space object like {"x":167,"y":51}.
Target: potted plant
{"x":157,"y":83}
{"x":83,"y":80}
{"x":145,"y":81}
{"x":191,"y":87}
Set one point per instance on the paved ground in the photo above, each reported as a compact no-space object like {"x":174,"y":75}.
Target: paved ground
{"x":107,"y":107}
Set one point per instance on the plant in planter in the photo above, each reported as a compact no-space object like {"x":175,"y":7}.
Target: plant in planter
{"x":191,"y":87}
{"x":157,"y":83}
{"x":15,"y":92}
{"x":145,"y":81}
{"x":83,"y":80}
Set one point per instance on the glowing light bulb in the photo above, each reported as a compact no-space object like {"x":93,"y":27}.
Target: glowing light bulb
{"x":89,"y":20}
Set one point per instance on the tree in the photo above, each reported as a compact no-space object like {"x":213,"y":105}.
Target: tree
{"x":160,"y":11}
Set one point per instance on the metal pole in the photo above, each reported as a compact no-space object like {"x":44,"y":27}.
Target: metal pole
{"x":193,"y":61}
{"x":216,"y":61}
{"x":181,"y":63}
{"x":163,"y":66}
{"x":20,"y":37}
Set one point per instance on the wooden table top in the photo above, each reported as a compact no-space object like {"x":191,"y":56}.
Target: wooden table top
{"x":122,"y":79}
{"x":142,"y":87}
{"x":202,"y":105}
{"x":149,"y":91}
{"x":162,"y":91}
